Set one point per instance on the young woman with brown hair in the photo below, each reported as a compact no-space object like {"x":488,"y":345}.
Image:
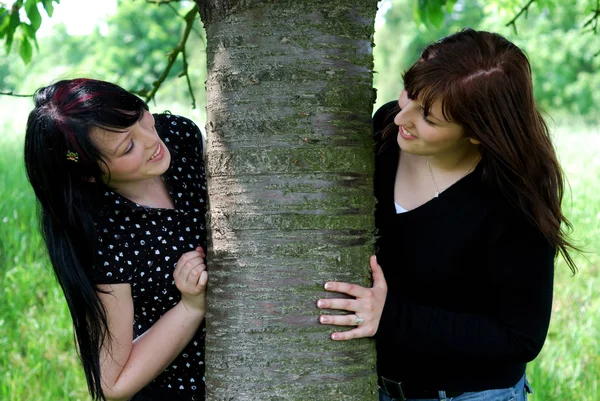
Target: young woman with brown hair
{"x":469,"y":223}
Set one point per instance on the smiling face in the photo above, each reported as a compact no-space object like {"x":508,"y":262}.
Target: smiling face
{"x":427,"y":135}
{"x":134,"y":155}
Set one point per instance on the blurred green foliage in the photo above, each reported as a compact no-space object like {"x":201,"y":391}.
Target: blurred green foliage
{"x":131,"y":52}
{"x":21,"y":21}
{"x":562,"y":54}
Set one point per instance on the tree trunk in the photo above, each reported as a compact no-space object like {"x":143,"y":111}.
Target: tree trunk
{"x":290,"y":164}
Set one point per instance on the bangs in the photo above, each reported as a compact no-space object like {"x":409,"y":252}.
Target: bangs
{"x":103,"y":105}
{"x":118,"y":120}
{"x":429,"y":82}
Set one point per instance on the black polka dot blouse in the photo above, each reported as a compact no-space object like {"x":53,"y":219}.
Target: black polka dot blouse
{"x":140,"y":245}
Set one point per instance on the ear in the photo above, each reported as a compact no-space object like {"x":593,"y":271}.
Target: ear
{"x":474,"y":141}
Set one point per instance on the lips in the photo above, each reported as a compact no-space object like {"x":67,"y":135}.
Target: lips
{"x":405,"y":134}
{"x":157,"y":153}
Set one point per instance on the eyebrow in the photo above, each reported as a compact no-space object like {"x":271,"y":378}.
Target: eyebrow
{"x":430,"y":115}
{"x":116,"y":150}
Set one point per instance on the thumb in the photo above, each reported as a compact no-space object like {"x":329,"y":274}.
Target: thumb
{"x":378,"y":277}
{"x":203,"y":278}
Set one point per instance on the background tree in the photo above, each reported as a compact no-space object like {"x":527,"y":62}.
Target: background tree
{"x":565,"y":78}
{"x":562,"y":48}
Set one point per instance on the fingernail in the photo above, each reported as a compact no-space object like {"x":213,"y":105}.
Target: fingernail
{"x":327,"y":286}
{"x":320,"y":303}
{"x":323,"y":319}
{"x":334,"y":336}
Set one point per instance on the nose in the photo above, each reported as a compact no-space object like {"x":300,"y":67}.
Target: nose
{"x":148,"y":134}
{"x":398,"y":118}
{"x":404,"y":116}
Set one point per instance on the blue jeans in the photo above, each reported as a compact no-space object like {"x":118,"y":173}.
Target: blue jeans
{"x":518,"y":392}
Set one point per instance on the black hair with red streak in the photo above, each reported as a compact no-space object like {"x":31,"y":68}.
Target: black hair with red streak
{"x":66,"y":188}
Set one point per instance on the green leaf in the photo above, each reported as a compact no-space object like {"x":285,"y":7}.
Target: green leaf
{"x":25,"y":51}
{"x":431,"y":11}
{"x":4,"y":21}
{"x":436,"y":17}
{"x":30,"y":33}
{"x":33,"y":14}
{"x":49,"y":7}
{"x":28,"y":30}
{"x":417,"y":11}
{"x":450,"y":6}
{"x":10,"y":30}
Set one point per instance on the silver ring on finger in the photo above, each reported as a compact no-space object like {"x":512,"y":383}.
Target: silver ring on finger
{"x":358,"y":320}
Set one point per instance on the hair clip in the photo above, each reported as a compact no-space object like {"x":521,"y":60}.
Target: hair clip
{"x":72,"y":156}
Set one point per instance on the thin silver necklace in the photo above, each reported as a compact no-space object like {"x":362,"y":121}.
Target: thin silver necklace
{"x":438,"y":190}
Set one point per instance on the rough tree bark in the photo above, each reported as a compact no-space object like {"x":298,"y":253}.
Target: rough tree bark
{"x":290,"y":162}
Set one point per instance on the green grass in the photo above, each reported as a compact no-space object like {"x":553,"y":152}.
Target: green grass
{"x":569,"y":366}
{"x":38,"y":360}
{"x":37,"y":356}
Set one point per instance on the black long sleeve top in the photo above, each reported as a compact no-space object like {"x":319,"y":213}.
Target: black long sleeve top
{"x":470,"y":282}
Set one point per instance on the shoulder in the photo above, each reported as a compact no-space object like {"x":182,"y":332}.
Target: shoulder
{"x":382,"y":119}
{"x":384,"y":116}
{"x":178,"y":131}
{"x":173,"y":122}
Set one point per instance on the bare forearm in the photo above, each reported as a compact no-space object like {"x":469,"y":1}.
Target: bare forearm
{"x":153,"y":351}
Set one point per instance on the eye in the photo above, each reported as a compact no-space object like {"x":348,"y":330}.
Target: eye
{"x":129,"y":148}
{"x":428,"y":121}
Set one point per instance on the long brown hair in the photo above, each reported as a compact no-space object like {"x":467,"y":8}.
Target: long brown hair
{"x":484,"y":83}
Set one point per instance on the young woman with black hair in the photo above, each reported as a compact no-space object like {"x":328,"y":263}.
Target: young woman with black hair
{"x":122,"y":197}
{"x":469,"y":223}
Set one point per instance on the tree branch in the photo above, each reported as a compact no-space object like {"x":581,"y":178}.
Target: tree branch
{"x":594,"y":18}
{"x":523,"y":10}
{"x":159,"y":2}
{"x":172,"y":56}
{"x":181,"y":16}
{"x":14,"y":94}
{"x":187,"y":78}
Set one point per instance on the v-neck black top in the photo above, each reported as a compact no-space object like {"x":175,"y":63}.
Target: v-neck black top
{"x":140,"y":245}
{"x":470,"y":282}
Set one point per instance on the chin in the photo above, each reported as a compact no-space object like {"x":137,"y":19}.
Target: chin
{"x":167,"y":163}
{"x":406,"y":147}
{"x":166,"y":159}
{"x":413,"y":151}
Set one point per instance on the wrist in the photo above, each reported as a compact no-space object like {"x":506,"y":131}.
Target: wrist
{"x":193,"y":309}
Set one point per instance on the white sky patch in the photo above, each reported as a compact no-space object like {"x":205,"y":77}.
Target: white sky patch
{"x":81,"y":17}
{"x":384,"y":6}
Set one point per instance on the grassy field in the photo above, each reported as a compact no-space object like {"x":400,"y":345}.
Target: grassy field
{"x":37,"y":357}
{"x":569,"y":365}
{"x":38,"y":360}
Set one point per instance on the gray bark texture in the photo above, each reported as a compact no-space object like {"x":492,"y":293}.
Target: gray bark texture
{"x":290,"y":165}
